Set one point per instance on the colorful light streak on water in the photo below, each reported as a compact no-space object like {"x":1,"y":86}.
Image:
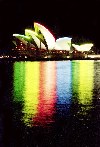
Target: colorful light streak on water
{"x":64,"y":92}
{"x":86,"y":82}
{"x":75,"y":80}
{"x":85,"y":90}
{"x":46,"y":86}
{"x":31,"y":92}
{"x":37,"y":85}
{"x":77,"y":125}
{"x":19,"y":76}
{"x":64,"y":89}
{"x":47,"y":95}
{"x":97,"y":80}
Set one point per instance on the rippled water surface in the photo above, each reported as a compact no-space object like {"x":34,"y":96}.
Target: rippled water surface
{"x":50,"y":103}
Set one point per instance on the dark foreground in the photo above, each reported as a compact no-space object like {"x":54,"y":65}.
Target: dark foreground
{"x":46,"y":104}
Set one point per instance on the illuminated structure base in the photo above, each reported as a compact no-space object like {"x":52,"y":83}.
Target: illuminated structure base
{"x":40,"y":44}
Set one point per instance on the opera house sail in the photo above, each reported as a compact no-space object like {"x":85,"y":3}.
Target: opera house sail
{"x":39,"y":41}
{"x":64,"y":43}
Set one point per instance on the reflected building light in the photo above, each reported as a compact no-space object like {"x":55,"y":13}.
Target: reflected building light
{"x":31,"y":92}
{"x":75,"y":79}
{"x":85,"y":91}
{"x":97,"y":81}
{"x":64,"y":89}
{"x":47,"y":95}
{"x":18,"y":80}
{"x":64,"y":92}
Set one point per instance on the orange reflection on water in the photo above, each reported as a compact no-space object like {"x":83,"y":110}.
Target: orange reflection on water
{"x":47,"y":95}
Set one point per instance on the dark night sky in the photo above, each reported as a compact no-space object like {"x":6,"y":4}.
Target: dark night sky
{"x":73,"y":18}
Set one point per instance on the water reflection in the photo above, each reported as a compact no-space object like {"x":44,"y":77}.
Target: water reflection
{"x":51,"y":103}
{"x":19,"y":80}
{"x":49,"y":88}
{"x":31,"y":92}
{"x":47,"y":93}
{"x":86,"y":71}
{"x":37,"y":87}
{"x":75,"y":80}
{"x":83,"y":80}
{"x":64,"y":92}
{"x":97,"y":80}
{"x":64,"y":89}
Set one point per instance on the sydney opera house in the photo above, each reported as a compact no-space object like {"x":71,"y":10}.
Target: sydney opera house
{"x":39,"y":42}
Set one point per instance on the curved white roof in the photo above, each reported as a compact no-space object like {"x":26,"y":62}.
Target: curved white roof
{"x":64,"y":38}
{"x":63,"y":43}
{"x":33,"y":35}
{"x":57,"y":47}
{"x":49,"y":38}
{"x":24,"y":39}
{"x":83,"y":47}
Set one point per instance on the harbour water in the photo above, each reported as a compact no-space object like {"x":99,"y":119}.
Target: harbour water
{"x":50,"y":103}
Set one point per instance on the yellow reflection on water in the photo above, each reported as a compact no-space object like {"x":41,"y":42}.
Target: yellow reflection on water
{"x":85,"y":90}
{"x":31,"y":92}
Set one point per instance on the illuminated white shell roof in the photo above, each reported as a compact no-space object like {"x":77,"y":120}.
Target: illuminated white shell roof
{"x":63,"y":43}
{"x":83,"y":47}
{"x":50,"y":40}
{"x":57,"y":47}
{"x":33,"y":35}
{"x":22,"y":38}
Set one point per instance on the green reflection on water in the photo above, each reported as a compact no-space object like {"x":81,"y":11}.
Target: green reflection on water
{"x":19,"y":80}
{"x":75,"y":79}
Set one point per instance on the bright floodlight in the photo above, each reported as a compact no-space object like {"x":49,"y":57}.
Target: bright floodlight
{"x":49,"y":38}
{"x":33,"y":35}
{"x":63,"y":43}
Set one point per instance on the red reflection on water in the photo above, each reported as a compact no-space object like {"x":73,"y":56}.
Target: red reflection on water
{"x":47,"y":94}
